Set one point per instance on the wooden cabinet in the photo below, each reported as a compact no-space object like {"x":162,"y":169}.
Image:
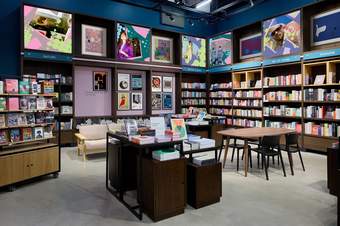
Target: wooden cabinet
{"x":163,"y":188}
{"x":22,"y":166}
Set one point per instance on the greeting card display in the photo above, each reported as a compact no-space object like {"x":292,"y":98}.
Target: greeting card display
{"x":47,"y":30}
{"x":178,"y":126}
{"x":282,"y":35}
{"x":156,"y":101}
{"x":326,"y":27}
{"x":156,"y":83}
{"x":220,"y":50}
{"x":123,"y":82}
{"x":100,"y":80}
{"x":93,"y":40}
{"x":162,"y":49}
{"x":136,"y":101}
{"x":136,"y":82}
{"x":123,"y":101}
{"x":167,"y":84}
{"x":133,"y":42}
{"x":167,"y":101}
{"x":251,"y":46}
{"x":193,"y":51}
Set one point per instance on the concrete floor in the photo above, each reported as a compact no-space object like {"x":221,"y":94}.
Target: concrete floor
{"x":78,"y":198}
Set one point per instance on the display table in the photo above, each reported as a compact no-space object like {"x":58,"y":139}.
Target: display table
{"x":129,"y":166}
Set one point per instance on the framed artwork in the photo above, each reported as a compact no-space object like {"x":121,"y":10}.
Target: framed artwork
{"x":156,"y":101}
{"x":136,"y":82}
{"x":167,"y":84}
{"x":282,"y":35}
{"x":156,"y":83}
{"x":167,"y":101}
{"x":100,"y":80}
{"x":178,"y":126}
{"x":93,"y":40}
{"x":325,"y":28}
{"x":193,"y":51}
{"x":251,"y":46}
{"x":220,"y":50}
{"x":136,"y":101}
{"x":123,"y":101}
{"x":133,"y":42}
{"x":47,"y":30}
{"x":162,"y":49}
{"x":123,"y":82}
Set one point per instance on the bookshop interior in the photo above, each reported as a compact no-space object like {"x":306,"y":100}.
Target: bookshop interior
{"x":170,"y":112}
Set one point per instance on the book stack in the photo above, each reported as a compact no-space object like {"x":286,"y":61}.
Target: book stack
{"x":163,"y":155}
{"x":174,"y":136}
{"x":204,"y":160}
{"x":163,"y":139}
{"x":142,"y":139}
{"x":283,"y":80}
{"x":205,"y":143}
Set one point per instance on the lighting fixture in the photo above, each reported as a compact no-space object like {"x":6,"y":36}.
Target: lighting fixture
{"x":203,"y":3}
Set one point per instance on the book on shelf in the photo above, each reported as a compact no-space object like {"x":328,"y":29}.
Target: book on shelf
{"x":249,"y":94}
{"x":49,"y":103}
{"x":48,"y":133}
{"x":47,"y":87}
{"x":163,"y":155}
{"x":41,"y":103}
{"x":3,"y":104}
{"x":15,"y":135}
{"x":221,"y":94}
{"x":34,"y":88}
{"x":194,"y":85}
{"x":23,"y":104}
{"x":24,"y":87}
{"x":282,"y":110}
{"x":138,"y":139}
{"x":12,"y":119}
{"x":11,"y":86}
{"x":283,"y":80}
{"x":288,"y":125}
{"x":30,"y":118}
{"x":131,"y":127}
{"x":13,"y":103}
{"x":247,"y":123}
{"x":294,"y":95}
{"x":215,"y":86}
{"x":32,"y":103}
{"x":322,"y":129}
{"x":319,"y":79}
{"x":26,"y":134}
{"x":22,"y":121}
{"x":38,"y":133}
{"x":66,"y":97}
{"x":3,"y":137}
{"x":1,"y":87}
{"x":322,"y":112}
{"x":321,"y":94}
{"x":2,"y":120}
{"x":66,"y":109}
{"x":331,"y":78}
{"x":39,"y":118}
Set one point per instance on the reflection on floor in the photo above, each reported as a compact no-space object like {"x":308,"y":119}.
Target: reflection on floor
{"x":78,"y":198}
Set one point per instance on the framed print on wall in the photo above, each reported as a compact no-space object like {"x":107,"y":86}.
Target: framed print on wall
{"x":133,"y":42}
{"x":93,"y":40}
{"x":167,"y":101}
{"x":220,"y":50}
{"x":167,"y":84}
{"x":100,"y":80}
{"x":282,"y":35}
{"x":162,"y":49}
{"x":193,"y":51}
{"x":123,"y":82}
{"x":47,"y":30}
{"x":123,"y":101}
{"x":156,"y":83}
{"x":136,"y":82}
{"x":251,"y":46}
{"x":325,"y":28}
{"x":136,"y":101}
{"x":156,"y":101}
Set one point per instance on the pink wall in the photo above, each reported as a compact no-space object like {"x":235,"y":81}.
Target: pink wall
{"x":86,"y":101}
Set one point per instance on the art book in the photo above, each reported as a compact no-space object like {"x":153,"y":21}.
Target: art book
{"x":22,"y":121}
{"x":167,"y":101}
{"x":123,"y":101}
{"x":13,"y":103}
{"x":39,"y":118}
{"x":47,"y":87}
{"x":49,"y":117}
{"x":15,"y":135}
{"x":24,"y":87}
{"x":3,"y":104}
{"x":136,"y":101}
{"x":11,"y":86}
{"x":3,"y":137}
{"x":26,"y":134}
{"x":48,"y":132}
{"x":23,"y":103}
{"x":34,"y":88}
{"x":49,"y":103}
{"x":30,"y":118}
{"x":2,"y":120}
{"x":41,"y":103}
{"x":12,"y":119}
{"x":167,"y":84}
{"x":158,"y":124}
{"x":156,"y":101}
{"x":136,"y":82}
{"x":32,"y":103}
{"x":178,"y":126}
{"x":156,"y":83}
{"x":123,"y":82}
{"x":131,"y":127}
{"x":38,"y":133}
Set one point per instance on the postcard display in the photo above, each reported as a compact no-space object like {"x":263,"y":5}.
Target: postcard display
{"x":130,"y":93}
{"x":163,"y":93}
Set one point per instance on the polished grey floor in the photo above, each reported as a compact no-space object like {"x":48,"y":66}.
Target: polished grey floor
{"x":78,"y":198}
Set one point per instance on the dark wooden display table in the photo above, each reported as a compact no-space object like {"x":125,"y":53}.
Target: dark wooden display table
{"x":129,"y":166}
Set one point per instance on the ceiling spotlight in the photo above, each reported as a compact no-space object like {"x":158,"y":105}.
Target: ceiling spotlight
{"x":191,"y":22}
{"x":203,"y":3}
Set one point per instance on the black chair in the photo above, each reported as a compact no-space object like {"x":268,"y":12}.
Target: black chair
{"x":239,"y":147}
{"x":269,"y":147}
{"x":292,"y":146}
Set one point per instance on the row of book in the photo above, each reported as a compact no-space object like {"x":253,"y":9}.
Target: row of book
{"x":322,"y":129}
{"x":322,"y":112}
{"x":194,"y":94}
{"x":248,"y":103}
{"x":247,"y":84}
{"x":288,"y":125}
{"x":194,"y":85}
{"x":249,"y":94}
{"x":322,"y":95}
{"x":25,"y":103}
{"x":65,"y":125}
{"x":248,"y":113}
{"x":25,"y":119}
{"x":320,"y":79}
{"x":26,"y":86}
{"x":193,"y":101}
{"x":282,"y":110}
{"x":220,"y":111}
{"x":25,"y":134}
{"x":247,"y":123}
{"x":220,"y":94}
{"x":283,"y":80}
{"x":195,"y":110}
{"x":64,"y":110}
{"x":215,"y":86}
{"x":294,"y":95}
{"x":222,"y":102}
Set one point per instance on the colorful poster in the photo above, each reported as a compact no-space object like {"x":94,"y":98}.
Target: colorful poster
{"x":326,"y":27}
{"x":123,"y":101}
{"x":47,"y":30}
{"x":251,"y":46}
{"x":156,"y":101}
{"x":162,"y":49}
{"x":156,"y":83}
{"x":136,"y":101}
{"x":178,"y":126}
{"x":133,"y":42}
{"x":167,"y":101}
{"x":193,"y":51}
{"x":282,"y":35}
{"x":93,"y":40}
{"x":220,"y":50}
